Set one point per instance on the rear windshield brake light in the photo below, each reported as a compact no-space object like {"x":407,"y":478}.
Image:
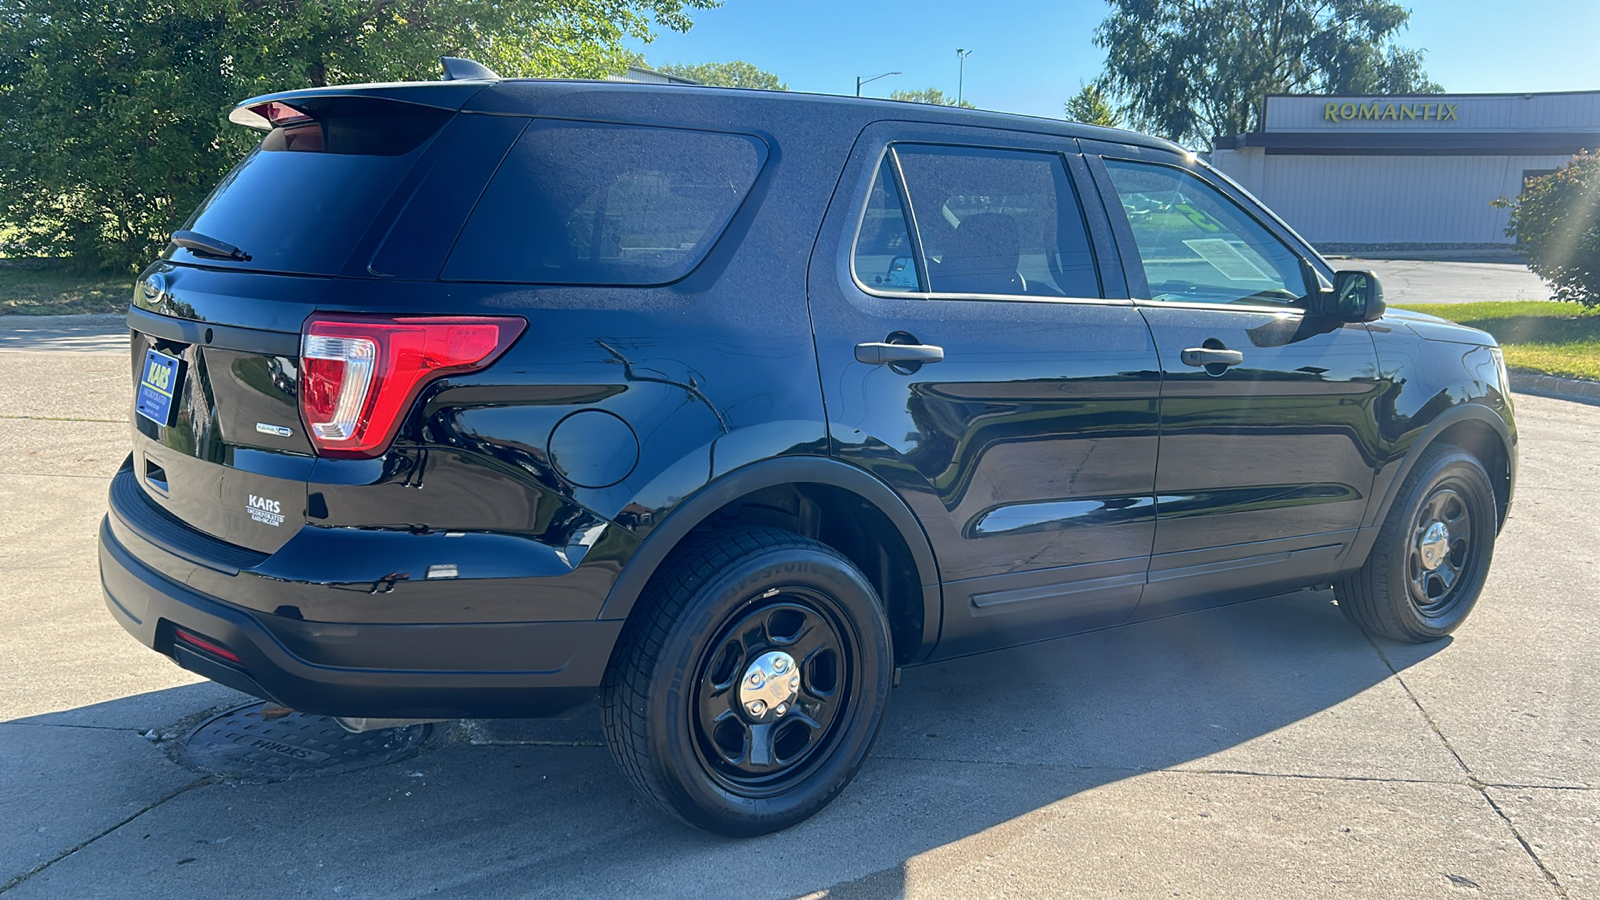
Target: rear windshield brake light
{"x":361,"y":374}
{"x":277,"y":113}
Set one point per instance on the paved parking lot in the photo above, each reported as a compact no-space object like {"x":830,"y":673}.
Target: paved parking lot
{"x":1407,"y":281}
{"x":1262,"y":750}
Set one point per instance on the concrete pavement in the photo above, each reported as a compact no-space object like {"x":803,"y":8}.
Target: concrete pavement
{"x":1262,"y":750}
{"x":1409,"y":281}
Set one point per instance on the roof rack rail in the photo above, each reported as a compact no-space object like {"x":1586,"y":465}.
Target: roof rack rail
{"x":458,"y":69}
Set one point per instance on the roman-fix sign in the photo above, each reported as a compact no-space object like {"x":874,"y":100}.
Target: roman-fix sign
{"x":1375,"y":110}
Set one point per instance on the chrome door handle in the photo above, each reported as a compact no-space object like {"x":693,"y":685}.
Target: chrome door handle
{"x":1208,"y":356}
{"x":878,"y":353}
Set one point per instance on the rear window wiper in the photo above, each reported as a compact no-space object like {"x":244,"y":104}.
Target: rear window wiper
{"x":208,"y":246}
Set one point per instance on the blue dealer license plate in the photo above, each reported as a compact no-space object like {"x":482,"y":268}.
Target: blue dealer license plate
{"x":161,"y":378}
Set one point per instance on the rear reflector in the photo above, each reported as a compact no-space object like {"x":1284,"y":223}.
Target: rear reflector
{"x":359,"y":375}
{"x":201,"y":643}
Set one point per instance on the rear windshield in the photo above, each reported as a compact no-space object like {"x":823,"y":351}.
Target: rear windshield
{"x":301,"y":200}
{"x":583,"y":203}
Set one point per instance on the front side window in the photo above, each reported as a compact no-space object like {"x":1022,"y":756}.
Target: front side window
{"x":1001,"y":222}
{"x":1197,"y":246}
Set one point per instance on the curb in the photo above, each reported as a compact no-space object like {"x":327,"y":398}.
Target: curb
{"x":1576,"y":390}
{"x":60,"y":321}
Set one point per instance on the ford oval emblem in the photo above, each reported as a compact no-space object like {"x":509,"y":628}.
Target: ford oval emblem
{"x":154,"y":288}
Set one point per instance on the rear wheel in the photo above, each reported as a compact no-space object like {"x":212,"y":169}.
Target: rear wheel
{"x":1432,"y":554}
{"x":746,"y":691}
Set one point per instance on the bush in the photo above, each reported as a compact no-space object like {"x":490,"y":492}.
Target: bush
{"x":1556,"y":221}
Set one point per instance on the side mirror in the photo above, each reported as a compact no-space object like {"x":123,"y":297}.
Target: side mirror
{"x":1358,"y":296}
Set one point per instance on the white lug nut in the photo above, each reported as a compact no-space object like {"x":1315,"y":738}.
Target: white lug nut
{"x":757,"y":707}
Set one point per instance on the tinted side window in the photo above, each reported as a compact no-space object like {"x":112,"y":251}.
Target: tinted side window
{"x":605,"y":204}
{"x":1196,"y":245}
{"x":998,"y":222}
{"x":883,"y":249}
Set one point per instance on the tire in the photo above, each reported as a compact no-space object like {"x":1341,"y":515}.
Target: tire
{"x":1432,"y":554}
{"x":687,"y":721}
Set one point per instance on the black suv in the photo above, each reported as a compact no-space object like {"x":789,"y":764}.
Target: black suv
{"x":472,"y":398}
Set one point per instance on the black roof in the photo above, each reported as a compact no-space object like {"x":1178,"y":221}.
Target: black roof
{"x":566,"y":98}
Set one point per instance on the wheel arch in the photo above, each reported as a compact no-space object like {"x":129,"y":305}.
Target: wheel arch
{"x":828,"y":487}
{"x":1475,"y":428}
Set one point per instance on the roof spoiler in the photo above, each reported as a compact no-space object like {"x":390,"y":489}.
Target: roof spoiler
{"x":458,"y":69}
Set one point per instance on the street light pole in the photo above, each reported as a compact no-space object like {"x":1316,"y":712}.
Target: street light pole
{"x":860,"y":81}
{"x":961,"y":72}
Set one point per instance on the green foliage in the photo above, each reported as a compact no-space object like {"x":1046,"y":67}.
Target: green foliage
{"x":1556,"y":221}
{"x":932,"y":96}
{"x":736,"y":74}
{"x":1091,"y":107}
{"x":1193,"y":70}
{"x":115,"y":112}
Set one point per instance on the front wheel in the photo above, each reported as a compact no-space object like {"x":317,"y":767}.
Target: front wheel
{"x":1432,"y":553}
{"x":746,"y":691}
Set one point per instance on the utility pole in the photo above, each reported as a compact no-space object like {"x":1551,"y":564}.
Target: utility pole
{"x":961,"y":72}
{"x":860,"y":81}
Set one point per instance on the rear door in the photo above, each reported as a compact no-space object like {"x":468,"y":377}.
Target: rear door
{"x":971,"y":357}
{"x":1268,"y":428}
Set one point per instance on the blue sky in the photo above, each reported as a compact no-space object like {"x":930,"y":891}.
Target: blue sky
{"x":1030,"y":55}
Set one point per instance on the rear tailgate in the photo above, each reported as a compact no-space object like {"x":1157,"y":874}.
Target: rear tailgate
{"x":218,"y":439}
{"x":225,"y":453}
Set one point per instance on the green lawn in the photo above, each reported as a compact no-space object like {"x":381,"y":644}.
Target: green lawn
{"x":62,"y":291}
{"x":1554,"y":338}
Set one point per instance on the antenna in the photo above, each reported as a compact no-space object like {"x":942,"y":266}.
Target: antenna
{"x":458,"y":69}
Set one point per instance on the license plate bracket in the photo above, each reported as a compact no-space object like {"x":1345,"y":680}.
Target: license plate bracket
{"x":160,"y":380}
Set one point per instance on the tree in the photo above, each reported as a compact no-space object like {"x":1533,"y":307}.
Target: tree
{"x":736,"y":74}
{"x":1556,"y":221}
{"x":1091,"y":107}
{"x":931,"y":95}
{"x":115,"y":117}
{"x":1193,"y":70}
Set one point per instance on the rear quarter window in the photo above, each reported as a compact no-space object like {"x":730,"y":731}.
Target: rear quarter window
{"x":584,"y":203}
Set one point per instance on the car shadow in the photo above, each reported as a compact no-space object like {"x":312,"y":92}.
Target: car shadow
{"x":538,"y":808}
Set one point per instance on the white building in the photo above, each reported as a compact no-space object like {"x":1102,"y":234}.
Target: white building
{"x":1405,"y":172}
{"x":641,"y":75}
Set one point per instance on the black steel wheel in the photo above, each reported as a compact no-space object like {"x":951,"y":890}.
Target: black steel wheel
{"x":1432,"y":554}
{"x":1439,"y":551}
{"x":746,"y":690}
{"x":771,"y":690}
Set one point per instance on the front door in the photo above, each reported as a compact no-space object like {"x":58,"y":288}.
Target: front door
{"x":1268,"y":429}
{"x":971,"y":359}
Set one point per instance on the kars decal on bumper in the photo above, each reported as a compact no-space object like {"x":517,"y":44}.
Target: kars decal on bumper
{"x":265,"y":511}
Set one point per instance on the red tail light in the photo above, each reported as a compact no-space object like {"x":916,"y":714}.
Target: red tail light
{"x":359,"y":375}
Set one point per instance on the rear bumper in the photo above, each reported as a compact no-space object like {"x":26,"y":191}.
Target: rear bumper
{"x":372,"y":670}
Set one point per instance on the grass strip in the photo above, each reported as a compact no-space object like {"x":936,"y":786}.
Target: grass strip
{"x":59,"y":291}
{"x":1538,"y":335}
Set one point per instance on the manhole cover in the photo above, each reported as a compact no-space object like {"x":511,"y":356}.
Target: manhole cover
{"x":241,"y":744}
